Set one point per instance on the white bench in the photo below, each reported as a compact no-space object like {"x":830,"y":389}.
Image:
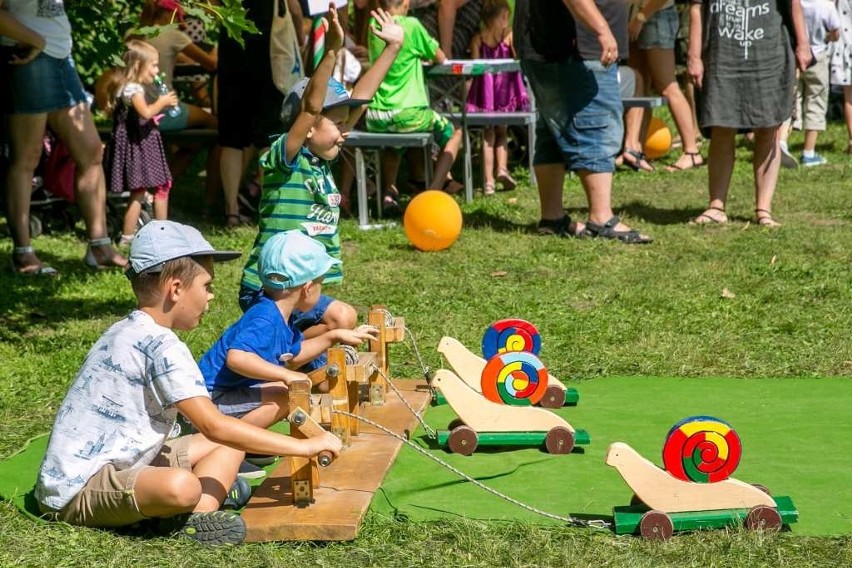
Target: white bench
{"x":375,"y":142}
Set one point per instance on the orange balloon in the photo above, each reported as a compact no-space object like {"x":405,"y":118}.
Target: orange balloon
{"x":658,"y":140}
{"x":433,"y":221}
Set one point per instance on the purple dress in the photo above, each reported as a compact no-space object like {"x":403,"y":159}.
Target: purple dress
{"x":135,"y":158}
{"x":497,"y":92}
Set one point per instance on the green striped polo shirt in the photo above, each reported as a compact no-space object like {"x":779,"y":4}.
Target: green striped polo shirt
{"x":302,"y":196}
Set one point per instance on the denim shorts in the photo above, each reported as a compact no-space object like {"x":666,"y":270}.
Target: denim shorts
{"x":239,"y":401}
{"x":44,"y":85}
{"x":579,"y":114}
{"x":660,"y":31}
{"x":179,"y":122}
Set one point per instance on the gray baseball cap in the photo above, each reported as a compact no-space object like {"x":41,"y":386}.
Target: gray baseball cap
{"x":335,"y":96}
{"x":161,"y":241}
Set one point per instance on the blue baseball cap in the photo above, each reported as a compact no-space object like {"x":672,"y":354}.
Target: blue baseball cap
{"x":158,"y":242}
{"x":335,"y":96}
{"x":292,"y":258}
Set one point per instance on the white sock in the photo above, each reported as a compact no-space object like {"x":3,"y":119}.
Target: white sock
{"x":783,"y":145}
{"x":808,"y":153}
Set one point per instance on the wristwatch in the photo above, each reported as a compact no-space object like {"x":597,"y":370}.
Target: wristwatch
{"x":640,"y":15}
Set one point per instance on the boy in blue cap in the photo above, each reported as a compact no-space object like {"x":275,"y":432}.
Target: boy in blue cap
{"x":248,"y":369}
{"x":298,"y":189}
{"x":115,"y":457}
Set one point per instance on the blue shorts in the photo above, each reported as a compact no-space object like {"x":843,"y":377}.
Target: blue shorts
{"x":178,"y":122}
{"x":660,"y":31}
{"x":579,"y":114}
{"x":44,"y":85}
{"x":237,"y":402}
{"x":298,"y":320}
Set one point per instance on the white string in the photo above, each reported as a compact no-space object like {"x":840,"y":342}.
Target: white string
{"x":596,"y":523}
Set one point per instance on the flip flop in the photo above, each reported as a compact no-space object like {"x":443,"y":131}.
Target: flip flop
{"x":692,"y":155}
{"x":639,"y":158}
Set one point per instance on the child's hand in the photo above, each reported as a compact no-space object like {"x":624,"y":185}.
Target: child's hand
{"x":334,"y":31}
{"x":291,"y":376}
{"x":387,"y":30}
{"x":326,"y":442}
{"x":169,"y":99}
{"x":358,"y":335}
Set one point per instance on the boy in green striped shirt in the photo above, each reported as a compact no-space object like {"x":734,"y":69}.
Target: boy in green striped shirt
{"x":298,"y":189}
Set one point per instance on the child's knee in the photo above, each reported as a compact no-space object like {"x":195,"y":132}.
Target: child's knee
{"x":340,"y":315}
{"x":181,"y":489}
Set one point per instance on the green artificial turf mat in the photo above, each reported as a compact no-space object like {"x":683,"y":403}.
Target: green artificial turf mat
{"x":792,"y":432}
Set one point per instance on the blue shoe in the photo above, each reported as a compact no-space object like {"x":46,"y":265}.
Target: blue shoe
{"x":815,"y":160}
{"x":238,"y":495}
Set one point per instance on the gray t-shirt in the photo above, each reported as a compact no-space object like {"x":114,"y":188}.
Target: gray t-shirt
{"x":120,"y":408}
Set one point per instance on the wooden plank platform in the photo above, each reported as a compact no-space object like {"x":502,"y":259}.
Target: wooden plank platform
{"x":346,"y":486}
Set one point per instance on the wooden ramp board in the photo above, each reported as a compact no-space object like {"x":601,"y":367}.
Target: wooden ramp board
{"x":346,"y":486}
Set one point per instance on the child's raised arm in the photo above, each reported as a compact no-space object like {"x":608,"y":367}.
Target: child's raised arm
{"x":314,"y":97}
{"x":392,"y":34}
{"x":148,"y":111}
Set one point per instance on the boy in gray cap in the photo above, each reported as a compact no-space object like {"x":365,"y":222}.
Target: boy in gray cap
{"x":114,"y":456}
{"x":249,"y":368}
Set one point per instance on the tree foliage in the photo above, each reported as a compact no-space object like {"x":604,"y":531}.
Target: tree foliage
{"x":98,"y":28}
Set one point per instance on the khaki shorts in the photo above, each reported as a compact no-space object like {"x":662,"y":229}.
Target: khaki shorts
{"x":108,"y":498}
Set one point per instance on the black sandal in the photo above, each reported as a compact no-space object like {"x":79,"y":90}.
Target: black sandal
{"x":638,"y":159}
{"x":563,"y":227}
{"x":705,"y":219}
{"x":692,"y":155}
{"x":765,"y":220}
{"x":608,"y":231}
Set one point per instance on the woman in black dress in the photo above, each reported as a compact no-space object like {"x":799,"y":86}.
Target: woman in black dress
{"x":741,"y":60}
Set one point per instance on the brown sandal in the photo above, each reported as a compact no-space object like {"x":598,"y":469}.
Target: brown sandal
{"x":766,"y":219}
{"x":706,"y":219}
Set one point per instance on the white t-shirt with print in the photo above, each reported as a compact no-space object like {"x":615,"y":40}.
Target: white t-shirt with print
{"x":46,"y":18}
{"x":120,"y":408}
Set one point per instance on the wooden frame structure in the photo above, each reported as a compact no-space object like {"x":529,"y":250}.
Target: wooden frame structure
{"x":292,"y":503}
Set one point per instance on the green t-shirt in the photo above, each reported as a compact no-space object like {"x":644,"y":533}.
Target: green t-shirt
{"x":302,"y":196}
{"x":404,"y":86}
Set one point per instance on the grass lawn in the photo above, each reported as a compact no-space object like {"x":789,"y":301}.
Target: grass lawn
{"x":603,"y":310}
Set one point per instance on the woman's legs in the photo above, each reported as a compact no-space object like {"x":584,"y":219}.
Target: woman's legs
{"x":721,"y":166}
{"x":26,"y":132}
{"x":76,"y":127}
{"x":767,"y":162}
{"x":661,"y":65}
{"x":847,"y":115}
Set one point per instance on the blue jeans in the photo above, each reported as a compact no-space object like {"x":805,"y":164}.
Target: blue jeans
{"x":298,"y":320}
{"x":579,"y":114}
{"x":43,"y":85}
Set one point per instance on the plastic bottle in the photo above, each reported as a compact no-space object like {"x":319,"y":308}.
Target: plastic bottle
{"x":163,"y":89}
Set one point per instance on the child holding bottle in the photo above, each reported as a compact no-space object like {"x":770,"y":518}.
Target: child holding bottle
{"x":135,"y":158}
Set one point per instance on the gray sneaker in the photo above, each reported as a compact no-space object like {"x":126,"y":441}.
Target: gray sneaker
{"x":214,"y":528}
{"x":787,"y":159}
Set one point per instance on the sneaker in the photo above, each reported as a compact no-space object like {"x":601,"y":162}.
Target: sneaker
{"x":214,"y":528}
{"x":787,"y":159}
{"x":238,"y":495}
{"x":260,"y":459}
{"x":250,"y":471}
{"x":815,"y":160}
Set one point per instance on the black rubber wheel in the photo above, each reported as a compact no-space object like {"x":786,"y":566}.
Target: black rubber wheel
{"x":559,"y":440}
{"x":656,"y":525}
{"x":463,"y":440}
{"x":763,"y":518}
